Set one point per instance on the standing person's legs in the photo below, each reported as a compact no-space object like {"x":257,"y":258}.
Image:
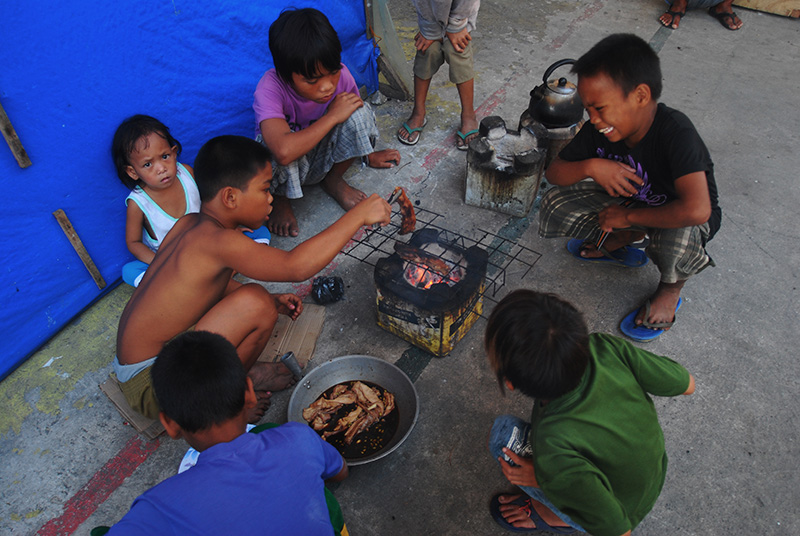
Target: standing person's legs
{"x":462,"y":74}
{"x":512,"y":433}
{"x":426,"y":64}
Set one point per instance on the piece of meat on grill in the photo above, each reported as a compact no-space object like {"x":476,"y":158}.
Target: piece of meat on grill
{"x":422,"y":258}
{"x":408,"y":219}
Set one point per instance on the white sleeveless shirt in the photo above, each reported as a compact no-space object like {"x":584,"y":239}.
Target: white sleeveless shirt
{"x":160,"y":221}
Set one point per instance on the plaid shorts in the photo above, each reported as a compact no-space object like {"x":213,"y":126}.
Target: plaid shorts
{"x":354,"y":138}
{"x":572,"y":212}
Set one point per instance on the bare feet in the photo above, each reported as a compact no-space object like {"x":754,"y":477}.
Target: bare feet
{"x":262,"y":403}
{"x":282,"y":221}
{"x":416,"y":121}
{"x":672,"y":17}
{"x":662,"y":304}
{"x":384,"y":159}
{"x":271,"y":376}
{"x":519,"y":516}
{"x":344,"y":194}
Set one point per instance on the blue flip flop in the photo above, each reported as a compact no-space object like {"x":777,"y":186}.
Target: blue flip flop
{"x":525,"y":505}
{"x":646,"y":331}
{"x":625,"y":256}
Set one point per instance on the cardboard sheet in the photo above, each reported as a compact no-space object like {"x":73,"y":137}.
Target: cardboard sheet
{"x":149,"y":428}
{"x":299,"y":336}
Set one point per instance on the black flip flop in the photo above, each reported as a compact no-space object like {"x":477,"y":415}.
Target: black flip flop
{"x":672,"y":20}
{"x":723,"y":18}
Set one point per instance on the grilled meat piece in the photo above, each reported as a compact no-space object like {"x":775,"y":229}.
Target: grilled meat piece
{"x":408,"y":219}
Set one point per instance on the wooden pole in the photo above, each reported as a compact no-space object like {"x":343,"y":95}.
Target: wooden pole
{"x":13,"y":140}
{"x":80,"y":249}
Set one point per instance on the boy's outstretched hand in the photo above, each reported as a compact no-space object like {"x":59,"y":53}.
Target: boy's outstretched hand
{"x":289,"y":305}
{"x":616,"y":178}
{"x":374,"y":209}
{"x":460,"y":40}
{"x":523,"y":474}
{"x":343,"y":105}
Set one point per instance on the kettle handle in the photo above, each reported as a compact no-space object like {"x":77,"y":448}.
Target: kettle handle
{"x":555,"y":66}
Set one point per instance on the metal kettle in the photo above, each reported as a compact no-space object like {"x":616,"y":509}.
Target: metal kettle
{"x":556,"y":103}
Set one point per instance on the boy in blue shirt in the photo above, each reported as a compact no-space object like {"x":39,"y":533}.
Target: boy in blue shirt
{"x":243,"y":483}
{"x":650,"y":174}
{"x":593,"y":457}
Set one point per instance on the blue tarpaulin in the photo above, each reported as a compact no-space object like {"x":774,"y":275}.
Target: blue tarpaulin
{"x":71,"y":72}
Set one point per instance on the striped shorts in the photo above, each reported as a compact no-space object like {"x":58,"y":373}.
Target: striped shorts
{"x":572,"y":212}
{"x":354,"y":138}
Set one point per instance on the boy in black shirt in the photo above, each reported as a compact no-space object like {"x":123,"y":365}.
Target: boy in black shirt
{"x":650,"y":172}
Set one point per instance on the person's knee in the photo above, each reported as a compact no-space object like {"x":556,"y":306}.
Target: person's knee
{"x":259,"y":305}
{"x":501,"y":431}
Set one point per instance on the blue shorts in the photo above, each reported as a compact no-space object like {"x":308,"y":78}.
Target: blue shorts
{"x":512,"y":432}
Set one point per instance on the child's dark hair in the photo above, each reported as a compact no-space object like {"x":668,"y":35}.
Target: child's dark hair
{"x":302,"y":40}
{"x":199,"y":380}
{"x":627,"y":59}
{"x":538,"y":342}
{"x":228,"y":161}
{"x":128,"y":134}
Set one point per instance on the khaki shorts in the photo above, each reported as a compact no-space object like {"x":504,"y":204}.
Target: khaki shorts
{"x":426,"y":64}
{"x":140,"y":395}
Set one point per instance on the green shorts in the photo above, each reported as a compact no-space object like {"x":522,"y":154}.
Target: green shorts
{"x":426,"y":64}
{"x":140,"y":395}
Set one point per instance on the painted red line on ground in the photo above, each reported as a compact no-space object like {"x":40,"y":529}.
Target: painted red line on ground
{"x":83,"y":504}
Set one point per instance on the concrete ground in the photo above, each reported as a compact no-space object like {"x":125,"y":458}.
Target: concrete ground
{"x":71,"y":463}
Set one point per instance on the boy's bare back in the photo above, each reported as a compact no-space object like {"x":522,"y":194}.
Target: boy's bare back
{"x":191,"y":274}
{"x":186,"y":279}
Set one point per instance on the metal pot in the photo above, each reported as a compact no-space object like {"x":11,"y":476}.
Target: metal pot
{"x":556,"y":103}
{"x":362,"y":368}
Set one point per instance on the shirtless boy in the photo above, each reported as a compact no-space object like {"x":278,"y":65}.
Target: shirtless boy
{"x":189,"y":281}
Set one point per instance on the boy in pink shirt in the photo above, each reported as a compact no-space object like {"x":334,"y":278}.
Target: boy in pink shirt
{"x":311,"y":117}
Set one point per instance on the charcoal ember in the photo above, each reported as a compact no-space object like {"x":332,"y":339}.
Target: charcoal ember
{"x":327,"y":289}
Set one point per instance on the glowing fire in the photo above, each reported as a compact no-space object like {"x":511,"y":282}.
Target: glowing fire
{"x":421,"y":276}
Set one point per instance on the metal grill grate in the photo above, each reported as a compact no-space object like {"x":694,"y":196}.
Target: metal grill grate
{"x":507,"y":258}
